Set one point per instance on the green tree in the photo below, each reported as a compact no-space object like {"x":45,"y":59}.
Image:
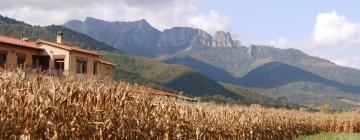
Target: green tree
{"x":326,"y":108}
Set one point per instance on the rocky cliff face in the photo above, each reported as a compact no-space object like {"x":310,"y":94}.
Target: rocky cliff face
{"x":222,"y":39}
{"x":140,"y":38}
{"x":183,"y":37}
{"x":237,"y":43}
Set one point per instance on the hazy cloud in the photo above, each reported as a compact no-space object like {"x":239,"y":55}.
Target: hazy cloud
{"x":210,"y":22}
{"x":334,"y":38}
{"x":344,"y":56}
{"x":160,"y":13}
{"x":152,"y":3}
{"x":46,"y":4}
{"x":331,"y":28}
{"x":351,"y":62}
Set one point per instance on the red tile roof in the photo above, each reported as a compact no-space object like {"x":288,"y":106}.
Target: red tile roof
{"x":18,"y":42}
{"x":68,"y":47}
{"x":106,"y":62}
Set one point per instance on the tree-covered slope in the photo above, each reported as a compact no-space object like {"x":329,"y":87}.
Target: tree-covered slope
{"x":314,"y":95}
{"x":252,"y":96}
{"x":240,"y":61}
{"x":211,"y":71}
{"x":178,"y":78}
{"x":168,"y":76}
{"x":297,"y":77}
{"x":276,"y":74}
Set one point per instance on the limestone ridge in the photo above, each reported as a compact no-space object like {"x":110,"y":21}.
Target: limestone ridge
{"x":184,"y":37}
{"x":222,"y":39}
{"x":237,"y":43}
{"x":139,"y":37}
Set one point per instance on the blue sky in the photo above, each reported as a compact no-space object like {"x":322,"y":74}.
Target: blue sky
{"x":328,"y":29}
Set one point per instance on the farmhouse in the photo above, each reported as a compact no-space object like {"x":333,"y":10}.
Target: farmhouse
{"x":53,"y":57}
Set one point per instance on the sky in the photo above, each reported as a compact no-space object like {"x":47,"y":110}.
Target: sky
{"x":328,"y":29}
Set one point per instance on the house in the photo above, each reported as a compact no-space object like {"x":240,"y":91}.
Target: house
{"x":53,"y":57}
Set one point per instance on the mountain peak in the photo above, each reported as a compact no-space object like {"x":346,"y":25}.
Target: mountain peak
{"x":130,"y":36}
{"x":91,"y":19}
{"x":142,"y":22}
{"x":222,"y":39}
{"x":95,"y":20}
{"x":217,"y":33}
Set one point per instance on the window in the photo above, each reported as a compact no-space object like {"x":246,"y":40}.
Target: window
{"x":20,"y":59}
{"x":81,"y":66}
{"x":107,"y":71}
{"x":41,"y":62}
{"x":3,"y":55}
{"x":95,"y":68}
{"x":59,"y":64}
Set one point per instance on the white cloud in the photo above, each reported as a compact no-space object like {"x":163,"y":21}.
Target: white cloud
{"x":211,"y":22}
{"x":333,"y":29}
{"x":334,"y":38}
{"x":160,"y":13}
{"x":151,"y":3}
{"x":280,"y":42}
{"x":306,"y":45}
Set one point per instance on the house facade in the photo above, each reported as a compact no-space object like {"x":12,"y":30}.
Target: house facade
{"x":54,"y":57}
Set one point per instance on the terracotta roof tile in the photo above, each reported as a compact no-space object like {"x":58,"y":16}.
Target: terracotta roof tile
{"x":18,"y":42}
{"x":69,"y":47}
{"x":106,"y":62}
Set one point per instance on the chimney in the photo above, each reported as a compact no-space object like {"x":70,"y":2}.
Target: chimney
{"x":22,"y":36}
{"x":60,"y":38}
{"x":25,"y":39}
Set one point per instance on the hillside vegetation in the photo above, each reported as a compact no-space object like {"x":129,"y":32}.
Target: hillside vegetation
{"x":41,"y":107}
{"x":167,"y":76}
{"x":238,"y":62}
{"x":283,"y":73}
{"x":331,"y":136}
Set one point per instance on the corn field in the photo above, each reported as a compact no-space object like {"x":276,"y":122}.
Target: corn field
{"x":42,"y":107}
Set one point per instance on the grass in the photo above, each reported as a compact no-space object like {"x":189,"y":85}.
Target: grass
{"x":331,"y":136}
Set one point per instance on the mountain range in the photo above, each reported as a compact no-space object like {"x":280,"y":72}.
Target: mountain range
{"x":288,"y":74}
